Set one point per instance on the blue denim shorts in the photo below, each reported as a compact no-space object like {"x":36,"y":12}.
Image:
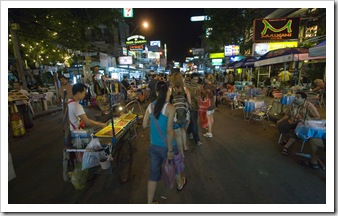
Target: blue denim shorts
{"x":176,"y":126}
{"x":157,"y":154}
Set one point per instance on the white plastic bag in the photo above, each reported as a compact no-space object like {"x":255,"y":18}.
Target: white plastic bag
{"x":94,"y":152}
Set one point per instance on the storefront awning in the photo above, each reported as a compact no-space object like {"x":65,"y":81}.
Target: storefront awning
{"x":280,"y":56}
{"x":318,"y":50}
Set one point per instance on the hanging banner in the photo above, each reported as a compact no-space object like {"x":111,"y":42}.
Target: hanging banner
{"x":276,"y":29}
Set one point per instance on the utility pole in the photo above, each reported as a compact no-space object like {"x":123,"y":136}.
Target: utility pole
{"x":17,"y":55}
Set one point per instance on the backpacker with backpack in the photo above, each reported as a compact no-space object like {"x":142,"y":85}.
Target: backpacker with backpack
{"x":182,"y":114}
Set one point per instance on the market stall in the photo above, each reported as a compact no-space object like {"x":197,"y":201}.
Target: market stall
{"x":106,"y":151}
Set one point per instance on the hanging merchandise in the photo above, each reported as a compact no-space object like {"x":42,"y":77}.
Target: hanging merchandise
{"x":18,"y":128}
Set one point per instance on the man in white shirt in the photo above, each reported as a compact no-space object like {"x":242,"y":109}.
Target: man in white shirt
{"x":76,"y":112}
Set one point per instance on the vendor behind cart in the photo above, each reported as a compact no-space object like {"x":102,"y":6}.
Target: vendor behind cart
{"x":22,"y":106}
{"x":77,"y":116}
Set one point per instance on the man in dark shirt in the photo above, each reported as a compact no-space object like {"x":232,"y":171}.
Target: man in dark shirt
{"x":125,"y":83}
{"x":126,"y":87}
{"x":152,"y":85}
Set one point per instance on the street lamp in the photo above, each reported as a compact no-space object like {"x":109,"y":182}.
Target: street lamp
{"x":144,"y":24}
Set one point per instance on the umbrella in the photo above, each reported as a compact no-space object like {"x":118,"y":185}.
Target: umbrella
{"x":246,"y":62}
{"x":318,"y":50}
{"x":280,"y":56}
{"x":231,"y":65}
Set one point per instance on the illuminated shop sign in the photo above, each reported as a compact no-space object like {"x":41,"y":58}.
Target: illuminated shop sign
{"x":216,"y":62}
{"x":216,"y":55}
{"x":128,"y":12}
{"x":262,"y":48}
{"x":199,"y":18}
{"x":155,"y":43}
{"x":231,"y":50}
{"x":136,"y":47}
{"x":125,"y":60}
{"x":124,"y":50}
{"x":276,"y":29}
{"x":153,"y":55}
{"x":136,"y":39}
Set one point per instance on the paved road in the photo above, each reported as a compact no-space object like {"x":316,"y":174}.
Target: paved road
{"x":241,"y":164}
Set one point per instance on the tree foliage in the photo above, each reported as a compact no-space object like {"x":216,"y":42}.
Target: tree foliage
{"x":49,"y":34}
{"x":229,"y":26}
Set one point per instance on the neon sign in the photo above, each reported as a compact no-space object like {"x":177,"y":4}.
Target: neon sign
{"x":276,"y":29}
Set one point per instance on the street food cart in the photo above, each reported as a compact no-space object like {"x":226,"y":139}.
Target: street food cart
{"x":114,"y":149}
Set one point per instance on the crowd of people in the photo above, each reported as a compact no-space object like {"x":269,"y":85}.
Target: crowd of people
{"x":178,"y":107}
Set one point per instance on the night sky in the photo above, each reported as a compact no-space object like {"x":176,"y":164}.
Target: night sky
{"x":172,"y":26}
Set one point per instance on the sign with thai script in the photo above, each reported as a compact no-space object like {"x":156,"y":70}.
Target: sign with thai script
{"x":276,"y":29}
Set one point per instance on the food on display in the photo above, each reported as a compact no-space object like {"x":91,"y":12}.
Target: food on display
{"x":13,"y":96}
{"x":122,"y":123}
{"x":108,"y":132}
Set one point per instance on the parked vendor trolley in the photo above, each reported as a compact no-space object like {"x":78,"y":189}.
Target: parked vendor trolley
{"x":113,"y":154}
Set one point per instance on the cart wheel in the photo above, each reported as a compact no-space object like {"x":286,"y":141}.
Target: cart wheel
{"x":124,"y":161}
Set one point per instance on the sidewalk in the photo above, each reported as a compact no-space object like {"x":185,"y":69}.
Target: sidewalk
{"x":51,"y":109}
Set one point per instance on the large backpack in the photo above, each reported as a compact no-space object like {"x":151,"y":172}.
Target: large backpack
{"x":182,"y":114}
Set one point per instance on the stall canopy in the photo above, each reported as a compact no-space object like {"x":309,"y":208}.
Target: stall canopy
{"x":231,"y":65}
{"x":246,"y":62}
{"x":318,"y":50}
{"x":281,"y":56}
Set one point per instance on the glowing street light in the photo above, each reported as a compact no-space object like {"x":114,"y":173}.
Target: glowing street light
{"x":144,"y":24}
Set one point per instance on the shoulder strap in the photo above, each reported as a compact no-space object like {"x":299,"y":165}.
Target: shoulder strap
{"x":158,"y":127}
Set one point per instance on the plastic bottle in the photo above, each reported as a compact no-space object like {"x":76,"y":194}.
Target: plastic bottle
{"x":18,"y":127}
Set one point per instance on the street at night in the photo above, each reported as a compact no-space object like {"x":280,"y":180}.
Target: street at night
{"x":109,"y":103}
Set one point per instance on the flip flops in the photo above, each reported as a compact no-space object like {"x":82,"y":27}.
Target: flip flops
{"x":314,"y":166}
{"x":284,"y":151}
{"x":182,"y":186}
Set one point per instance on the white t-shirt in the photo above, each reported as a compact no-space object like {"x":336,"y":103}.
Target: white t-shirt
{"x":74,"y":111}
{"x":25,"y":92}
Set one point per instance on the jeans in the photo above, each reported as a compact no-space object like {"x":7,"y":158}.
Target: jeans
{"x":193,"y":126}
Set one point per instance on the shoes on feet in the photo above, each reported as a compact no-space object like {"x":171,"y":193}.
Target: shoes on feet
{"x":207,"y":135}
{"x":284,"y":151}
{"x":183,"y":184}
{"x":191,"y":136}
{"x":199,"y":143}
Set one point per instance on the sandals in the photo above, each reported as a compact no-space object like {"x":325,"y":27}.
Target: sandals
{"x":283,"y":142}
{"x":285,"y":151}
{"x":314,"y":166}
{"x":182,"y":186}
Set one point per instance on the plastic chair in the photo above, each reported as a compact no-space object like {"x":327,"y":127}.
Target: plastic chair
{"x":276,"y":102}
{"x":261,"y":114}
{"x":49,"y":97}
{"x":322,"y":96}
